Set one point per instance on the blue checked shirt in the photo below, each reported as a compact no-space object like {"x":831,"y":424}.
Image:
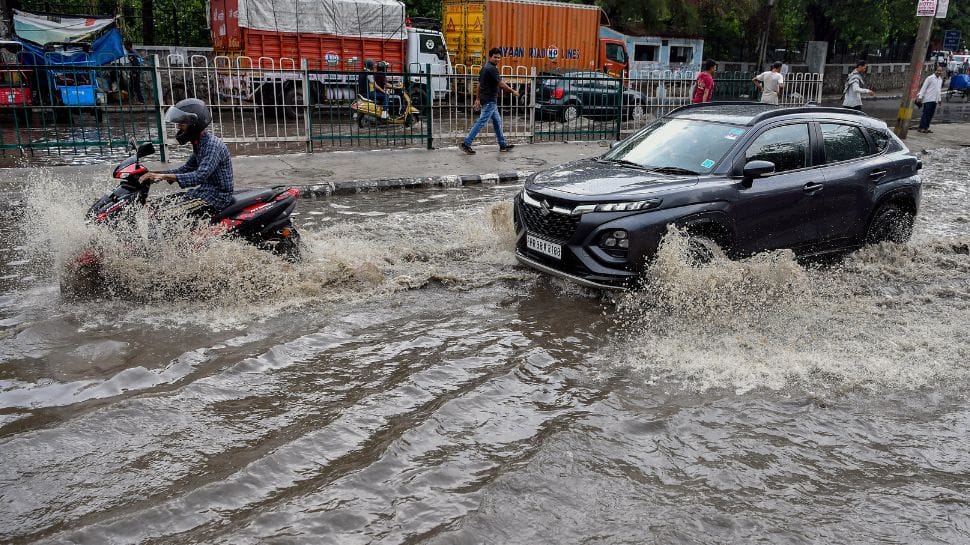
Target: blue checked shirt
{"x":208,"y":172}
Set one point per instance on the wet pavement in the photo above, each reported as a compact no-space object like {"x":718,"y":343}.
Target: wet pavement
{"x":409,"y":383}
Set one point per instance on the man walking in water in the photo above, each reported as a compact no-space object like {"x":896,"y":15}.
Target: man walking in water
{"x":489,"y":83}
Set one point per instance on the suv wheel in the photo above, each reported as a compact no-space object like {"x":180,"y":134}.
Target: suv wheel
{"x":702,"y":250}
{"x":890,"y":223}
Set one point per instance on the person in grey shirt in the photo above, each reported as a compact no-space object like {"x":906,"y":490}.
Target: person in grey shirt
{"x":854,"y":87}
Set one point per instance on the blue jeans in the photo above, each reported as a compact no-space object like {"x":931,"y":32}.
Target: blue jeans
{"x":929,"y":108}
{"x":489,"y":111}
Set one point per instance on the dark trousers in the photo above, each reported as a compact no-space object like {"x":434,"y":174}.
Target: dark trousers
{"x":929,"y":108}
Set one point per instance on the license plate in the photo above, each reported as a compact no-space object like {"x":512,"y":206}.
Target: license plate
{"x":543,"y":246}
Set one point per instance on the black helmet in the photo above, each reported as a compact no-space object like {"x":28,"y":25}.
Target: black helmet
{"x":382,"y":66}
{"x":369,"y":64}
{"x":192,"y":112}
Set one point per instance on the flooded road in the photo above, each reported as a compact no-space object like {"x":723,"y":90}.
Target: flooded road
{"x":409,"y":383}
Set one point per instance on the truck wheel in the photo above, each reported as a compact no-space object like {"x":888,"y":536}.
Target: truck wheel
{"x":294,"y":103}
{"x":419,"y":99}
{"x":571,"y":112}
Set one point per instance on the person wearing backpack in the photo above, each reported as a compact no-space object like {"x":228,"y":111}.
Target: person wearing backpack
{"x":854,"y":87}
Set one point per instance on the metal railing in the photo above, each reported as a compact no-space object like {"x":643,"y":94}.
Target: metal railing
{"x":78,"y":113}
{"x":280,"y":105}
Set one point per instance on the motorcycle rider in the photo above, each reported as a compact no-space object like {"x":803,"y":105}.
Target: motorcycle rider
{"x":207,"y":173}
{"x":372,"y":86}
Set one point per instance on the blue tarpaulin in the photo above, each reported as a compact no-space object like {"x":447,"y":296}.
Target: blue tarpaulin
{"x":106,"y":46}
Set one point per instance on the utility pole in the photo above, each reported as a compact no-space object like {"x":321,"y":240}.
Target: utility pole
{"x":916,"y":73}
{"x":762,"y":50}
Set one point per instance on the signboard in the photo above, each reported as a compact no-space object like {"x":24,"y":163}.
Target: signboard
{"x":941,"y":8}
{"x":951,"y":40}
{"x":926,"y":8}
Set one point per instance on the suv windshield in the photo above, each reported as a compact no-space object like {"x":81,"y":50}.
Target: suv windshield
{"x":677,"y":144}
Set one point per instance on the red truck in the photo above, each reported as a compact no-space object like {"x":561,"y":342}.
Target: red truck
{"x":334,"y":36}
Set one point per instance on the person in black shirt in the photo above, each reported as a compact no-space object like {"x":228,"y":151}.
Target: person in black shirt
{"x":489,"y":83}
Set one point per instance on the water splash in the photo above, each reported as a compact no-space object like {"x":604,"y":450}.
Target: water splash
{"x":166,"y":265}
{"x":887,"y":316}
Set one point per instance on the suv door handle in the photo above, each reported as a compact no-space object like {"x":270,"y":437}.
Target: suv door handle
{"x":877,"y":174}
{"x":812,"y":187}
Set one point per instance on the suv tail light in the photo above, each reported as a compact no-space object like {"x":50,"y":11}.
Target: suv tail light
{"x":558,"y":93}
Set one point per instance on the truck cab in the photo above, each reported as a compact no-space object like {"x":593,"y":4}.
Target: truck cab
{"x":613,"y":58}
{"x":424,"y":48}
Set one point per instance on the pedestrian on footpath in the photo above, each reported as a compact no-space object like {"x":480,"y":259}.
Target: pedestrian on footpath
{"x":489,"y":83}
{"x":929,"y":95}
{"x":770,"y":83}
{"x":704,"y":84}
{"x":855,"y":87}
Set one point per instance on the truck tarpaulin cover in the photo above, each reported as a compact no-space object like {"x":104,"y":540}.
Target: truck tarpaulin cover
{"x":357,"y":18}
{"x":35,"y":31}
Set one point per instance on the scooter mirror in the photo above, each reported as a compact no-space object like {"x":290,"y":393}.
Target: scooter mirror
{"x":146,"y":149}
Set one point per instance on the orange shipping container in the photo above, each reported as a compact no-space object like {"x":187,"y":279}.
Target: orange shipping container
{"x":544,"y":35}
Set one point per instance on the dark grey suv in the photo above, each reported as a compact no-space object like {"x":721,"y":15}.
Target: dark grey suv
{"x":747,"y":177}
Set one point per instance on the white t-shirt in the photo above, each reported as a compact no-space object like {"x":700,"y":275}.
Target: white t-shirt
{"x":772,"y":82}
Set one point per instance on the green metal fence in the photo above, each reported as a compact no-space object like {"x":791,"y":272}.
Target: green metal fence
{"x":278,"y":106}
{"x":76,"y":112}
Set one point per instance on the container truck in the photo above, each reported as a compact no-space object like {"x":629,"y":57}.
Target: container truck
{"x":546,"y":36}
{"x":334,"y":38}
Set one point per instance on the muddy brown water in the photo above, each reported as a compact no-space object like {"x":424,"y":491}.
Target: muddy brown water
{"x":409,"y":383}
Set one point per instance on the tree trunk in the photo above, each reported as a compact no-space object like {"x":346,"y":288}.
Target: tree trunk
{"x":148,"y":21}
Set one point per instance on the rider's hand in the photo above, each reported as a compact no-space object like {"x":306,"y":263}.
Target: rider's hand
{"x":515,"y":93}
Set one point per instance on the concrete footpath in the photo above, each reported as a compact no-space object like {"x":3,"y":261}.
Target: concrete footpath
{"x":343,"y":172}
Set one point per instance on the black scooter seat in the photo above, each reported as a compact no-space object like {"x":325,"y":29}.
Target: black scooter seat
{"x":242,"y":199}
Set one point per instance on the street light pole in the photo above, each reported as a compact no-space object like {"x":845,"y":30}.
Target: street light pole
{"x":916,"y":71}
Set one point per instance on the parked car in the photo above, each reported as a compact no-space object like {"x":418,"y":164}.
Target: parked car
{"x":741,"y":176}
{"x":567,"y":95}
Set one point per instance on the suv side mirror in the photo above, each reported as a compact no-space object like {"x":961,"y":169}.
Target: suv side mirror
{"x":145,"y":149}
{"x":756,"y":169}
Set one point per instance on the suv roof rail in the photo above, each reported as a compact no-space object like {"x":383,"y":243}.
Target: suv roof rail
{"x":770,"y":110}
{"x":686,"y":107}
{"x":807,"y":109}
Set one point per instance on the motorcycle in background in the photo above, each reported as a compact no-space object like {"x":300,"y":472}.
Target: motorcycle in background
{"x":368,"y":113}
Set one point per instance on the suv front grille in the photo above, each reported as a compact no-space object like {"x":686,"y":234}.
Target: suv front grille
{"x":554,"y":226}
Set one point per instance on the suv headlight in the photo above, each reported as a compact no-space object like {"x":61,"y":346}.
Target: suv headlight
{"x":617,"y":206}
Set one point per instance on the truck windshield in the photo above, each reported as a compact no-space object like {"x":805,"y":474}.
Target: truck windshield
{"x":433,"y":44}
{"x":681,"y":144}
{"x":615,"y":52}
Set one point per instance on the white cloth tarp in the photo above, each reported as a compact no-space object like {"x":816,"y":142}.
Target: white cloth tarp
{"x":357,"y":18}
{"x":42,"y":29}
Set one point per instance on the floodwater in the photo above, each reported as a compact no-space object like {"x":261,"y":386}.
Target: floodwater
{"x":408,"y":383}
